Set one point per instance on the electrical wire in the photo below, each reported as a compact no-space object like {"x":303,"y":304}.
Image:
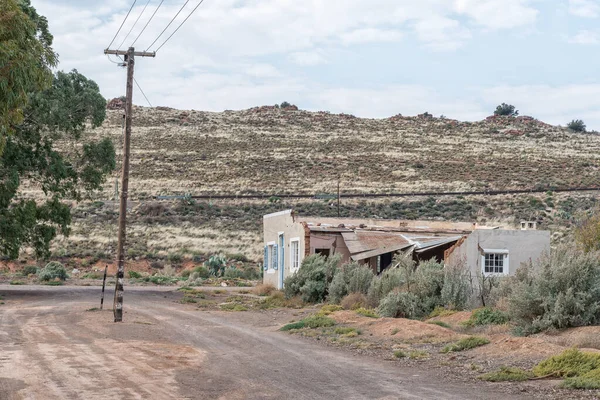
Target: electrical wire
{"x":135,"y":80}
{"x":143,"y":94}
{"x":134,"y":24}
{"x":169,"y":24}
{"x":147,"y":23}
{"x":199,"y":4}
{"x":123,"y":23}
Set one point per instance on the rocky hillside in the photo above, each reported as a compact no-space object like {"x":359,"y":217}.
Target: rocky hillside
{"x":272,"y":150}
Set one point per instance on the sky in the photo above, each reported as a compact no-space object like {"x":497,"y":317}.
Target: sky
{"x":376,"y":58}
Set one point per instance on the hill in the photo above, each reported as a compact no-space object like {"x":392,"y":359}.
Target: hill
{"x":270,"y":150}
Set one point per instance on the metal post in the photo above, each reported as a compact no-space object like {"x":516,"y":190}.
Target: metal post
{"x":118,"y":302}
{"x":103,"y":286}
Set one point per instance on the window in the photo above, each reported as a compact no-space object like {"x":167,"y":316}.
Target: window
{"x":273,"y":256}
{"x":294,"y":254}
{"x":323,"y":252}
{"x":495,"y":262}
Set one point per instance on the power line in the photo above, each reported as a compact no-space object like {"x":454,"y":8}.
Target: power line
{"x":135,"y":80}
{"x":199,"y":4}
{"x":145,"y":26}
{"x":134,"y":24}
{"x":167,"y":27}
{"x":144,"y":94}
{"x":123,"y":23}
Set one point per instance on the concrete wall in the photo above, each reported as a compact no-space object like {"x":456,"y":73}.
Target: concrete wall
{"x":273,"y":225}
{"x":522,"y":246}
{"x":332,"y":241}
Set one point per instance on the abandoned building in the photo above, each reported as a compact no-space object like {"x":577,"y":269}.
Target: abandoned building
{"x":289,"y":238}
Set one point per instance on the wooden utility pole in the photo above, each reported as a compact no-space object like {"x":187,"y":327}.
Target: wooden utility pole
{"x":129,"y":61}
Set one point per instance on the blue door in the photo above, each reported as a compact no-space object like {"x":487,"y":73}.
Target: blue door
{"x":281,"y":261}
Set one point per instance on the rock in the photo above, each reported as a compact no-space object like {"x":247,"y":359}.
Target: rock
{"x":75,"y":271}
{"x":223,"y":284}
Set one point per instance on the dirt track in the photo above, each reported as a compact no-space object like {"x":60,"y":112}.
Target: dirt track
{"x":52,"y":348}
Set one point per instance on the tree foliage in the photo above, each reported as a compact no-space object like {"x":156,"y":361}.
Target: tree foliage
{"x":577,"y":125}
{"x":59,"y":113}
{"x":507,"y":110}
{"x":26,"y":59}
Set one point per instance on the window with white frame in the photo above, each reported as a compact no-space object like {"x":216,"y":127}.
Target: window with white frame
{"x":273,"y":256}
{"x":495,"y":262}
{"x":294,"y":254}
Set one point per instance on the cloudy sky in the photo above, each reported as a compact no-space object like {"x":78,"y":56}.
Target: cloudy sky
{"x":372,"y":58}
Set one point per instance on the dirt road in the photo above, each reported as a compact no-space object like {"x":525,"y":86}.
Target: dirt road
{"x":52,"y":348}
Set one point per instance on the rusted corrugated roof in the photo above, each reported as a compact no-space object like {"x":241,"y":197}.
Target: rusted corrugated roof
{"x":360,"y":241}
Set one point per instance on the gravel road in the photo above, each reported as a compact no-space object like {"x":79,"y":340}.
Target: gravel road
{"x":53,"y":347}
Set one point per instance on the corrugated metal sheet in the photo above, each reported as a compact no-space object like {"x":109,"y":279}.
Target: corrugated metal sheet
{"x":361,"y":241}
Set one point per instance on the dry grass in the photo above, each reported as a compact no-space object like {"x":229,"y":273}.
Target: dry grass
{"x":263,"y":289}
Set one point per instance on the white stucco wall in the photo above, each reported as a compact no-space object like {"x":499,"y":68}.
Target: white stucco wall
{"x":273,"y":225}
{"x":522,"y":246}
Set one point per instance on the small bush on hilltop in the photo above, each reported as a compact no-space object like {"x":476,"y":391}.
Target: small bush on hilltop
{"x":577,"y":125}
{"x":350,"y":278}
{"x":312,"y":279}
{"x":53,"y":270}
{"x":507,"y":110}
{"x":560,"y":290}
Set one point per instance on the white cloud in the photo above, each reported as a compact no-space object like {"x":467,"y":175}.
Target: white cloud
{"x":442,"y":34}
{"x":370,"y":35}
{"x":584,"y":8}
{"x":498,"y":14}
{"x":308,"y":58}
{"x":585,"y":37}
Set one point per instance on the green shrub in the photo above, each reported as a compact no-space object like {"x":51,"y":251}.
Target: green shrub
{"x":365,"y":312}
{"x":238,"y":257}
{"x":507,"y":110}
{"x":456,"y":290}
{"x":53,"y":283}
{"x":399,"y":304}
{"x":30,"y":270}
{"x":466,"y":344}
{"x":487,"y":316}
{"x":440,"y":323}
{"x":590,"y":380}
{"x":577,"y":125}
{"x":232,"y":273}
{"x":216,"y":265}
{"x":185,"y":273}
{"x":559,"y":291}
{"x":418,"y":354}
{"x":313,"y":321}
{"x":507,"y":374}
{"x":134,"y":274}
{"x":175,"y":258}
{"x":202,"y":272}
{"x":53,"y":270}
{"x":328,"y":309}
{"x":312,"y":279}
{"x":570,"y":363}
{"x":350,"y":278}
{"x":342,"y":330}
{"x":399,"y":354}
{"x":389,"y":280}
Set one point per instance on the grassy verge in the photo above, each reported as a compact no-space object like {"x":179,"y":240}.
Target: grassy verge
{"x":466,"y":344}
